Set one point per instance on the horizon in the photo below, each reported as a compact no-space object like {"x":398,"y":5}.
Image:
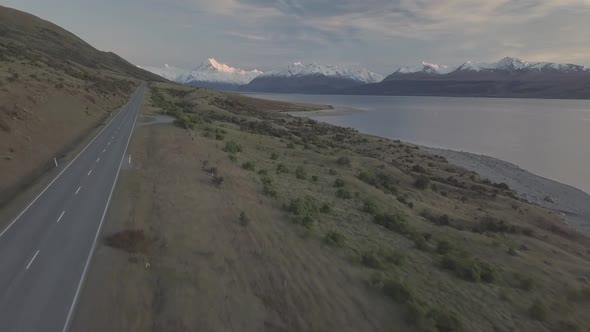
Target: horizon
{"x":340,"y":33}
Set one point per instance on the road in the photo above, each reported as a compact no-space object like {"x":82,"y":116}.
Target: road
{"x":46,"y":250}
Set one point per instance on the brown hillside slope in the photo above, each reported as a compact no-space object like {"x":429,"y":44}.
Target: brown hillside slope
{"x":55,"y":89}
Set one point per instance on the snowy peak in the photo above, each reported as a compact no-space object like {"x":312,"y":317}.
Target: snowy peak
{"x":353,"y":73}
{"x":425,"y":67}
{"x":213,"y":71}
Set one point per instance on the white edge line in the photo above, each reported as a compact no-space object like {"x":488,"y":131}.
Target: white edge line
{"x":78,"y":190}
{"x":97,"y":160}
{"x":89,"y":172}
{"x":63,"y":170}
{"x":85,"y":271}
{"x":32,"y":259}
{"x":61,"y":215}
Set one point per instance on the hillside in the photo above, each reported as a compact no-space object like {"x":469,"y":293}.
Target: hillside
{"x":243,"y":218}
{"x":55,"y":89}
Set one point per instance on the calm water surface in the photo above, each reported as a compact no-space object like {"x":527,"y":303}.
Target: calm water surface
{"x":550,"y":138}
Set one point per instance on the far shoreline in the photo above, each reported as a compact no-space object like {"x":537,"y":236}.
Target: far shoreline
{"x":334,"y":111}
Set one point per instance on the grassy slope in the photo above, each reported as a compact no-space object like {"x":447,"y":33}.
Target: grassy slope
{"x":261,"y":252}
{"x":54,"y":89}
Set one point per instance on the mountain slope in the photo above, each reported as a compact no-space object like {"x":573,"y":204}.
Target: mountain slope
{"x":216,"y":75}
{"x":55,"y":89}
{"x":312,"y":78}
{"x":168,"y":72}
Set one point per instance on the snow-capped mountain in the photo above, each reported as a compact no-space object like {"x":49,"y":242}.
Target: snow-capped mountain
{"x":425,"y":67}
{"x":168,"y":72}
{"x":312,"y":78}
{"x":508,"y":77}
{"x":314,"y":69}
{"x":214,"y":74}
{"x":507,"y":67}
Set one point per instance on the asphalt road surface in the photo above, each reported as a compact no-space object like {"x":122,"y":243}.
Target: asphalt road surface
{"x":46,"y":250}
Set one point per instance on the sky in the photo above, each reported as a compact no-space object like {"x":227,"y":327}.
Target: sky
{"x":381,"y":35}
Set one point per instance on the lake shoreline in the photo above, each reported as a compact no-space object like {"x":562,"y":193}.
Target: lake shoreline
{"x":570,"y":203}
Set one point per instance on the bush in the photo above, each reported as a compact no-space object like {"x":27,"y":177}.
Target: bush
{"x":442,"y":220}
{"x":443,"y":247}
{"x":334,"y":238}
{"x":397,"y":291}
{"x":332,"y":171}
{"x":218,"y":180}
{"x":314,"y":178}
{"x":326,"y":208}
{"x":281,"y":168}
{"x":300,"y":173}
{"x":343,"y":161}
{"x":538,"y":310}
{"x":249,"y":166}
{"x":244,"y":220}
{"x":274,"y":156}
{"x":233,"y":157}
{"x":262,"y":172}
{"x":344,"y":194}
{"x":422,"y":182}
{"x":290,"y":146}
{"x":219,"y":137}
{"x":445,"y":321}
{"x":469,"y":269}
{"x":232,"y":147}
{"x":372,"y":260}
{"x":338,"y":183}
{"x":393,"y":222}
{"x":267,"y":187}
{"x":304,"y":210}
{"x":370,"y":207}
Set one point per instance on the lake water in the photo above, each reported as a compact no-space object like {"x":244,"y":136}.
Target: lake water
{"x":550,"y":138}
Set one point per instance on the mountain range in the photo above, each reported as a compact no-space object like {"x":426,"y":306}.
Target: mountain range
{"x":508,"y":77}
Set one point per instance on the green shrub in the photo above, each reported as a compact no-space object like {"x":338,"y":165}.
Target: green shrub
{"x":393,"y":222}
{"x":281,"y":168}
{"x":249,"y":166}
{"x":538,"y":310}
{"x":332,"y":171}
{"x":422,"y":182}
{"x":274,"y":156}
{"x":334,"y":238}
{"x":233,"y":157}
{"x":372,"y":260}
{"x":397,"y":291}
{"x":219,"y":137}
{"x":370,"y":207}
{"x":344,"y":194}
{"x":338,"y":183}
{"x":304,"y":209}
{"x":290,"y":146}
{"x":445,"y":321}
{"x":244,"y":220}
{"x":263,"y":172}
{"x":300,"y":173}
{"x":314,"y":178}
{"x":469,"y":269}
{"x":443,"y":247}
{"x":343,"y":161}
{"x":232,"y":147}
{"x":326,"y":208}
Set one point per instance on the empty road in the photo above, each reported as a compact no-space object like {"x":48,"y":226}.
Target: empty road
{"x":46,"y":250}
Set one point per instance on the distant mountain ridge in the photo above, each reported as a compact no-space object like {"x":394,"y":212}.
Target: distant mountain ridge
{"x":312,"y":78}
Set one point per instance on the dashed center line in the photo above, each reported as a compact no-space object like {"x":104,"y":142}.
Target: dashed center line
{"x":78,"y":190}
{"x":32,"y":259}
{"x":89,"y":172}
{"x":61,"y":215}
{"x":109,"y":143}
{"x":97,"y":160}
{"x":103,"y":150}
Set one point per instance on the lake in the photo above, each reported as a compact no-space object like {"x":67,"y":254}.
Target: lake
{"x":548,"y":137}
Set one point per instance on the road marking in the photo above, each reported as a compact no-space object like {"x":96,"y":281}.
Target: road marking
{"x":103,"y":150}
{"x":78,"y":190}
{"x":89,"y":172}
{"x":85,"y":271}
{"x":109,"y":143}
{"x":63,"y":170}
{"x":32,"y":259}
{"x":97,"y":160}
{"x":62,"y":214}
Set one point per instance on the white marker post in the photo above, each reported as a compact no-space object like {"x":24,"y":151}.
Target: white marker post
{"x":55,"y":161}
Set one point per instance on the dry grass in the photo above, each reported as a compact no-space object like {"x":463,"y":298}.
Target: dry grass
{"x":324,"y":263}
